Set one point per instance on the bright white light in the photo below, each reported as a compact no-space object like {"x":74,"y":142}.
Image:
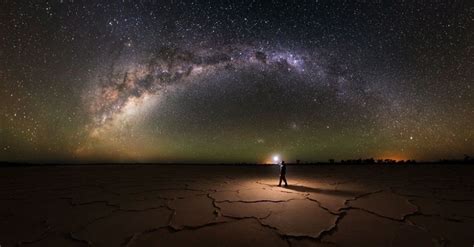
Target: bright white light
{"x":276,"y":158}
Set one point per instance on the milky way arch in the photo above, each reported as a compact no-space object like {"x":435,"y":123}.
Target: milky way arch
{"x":128,"y":90}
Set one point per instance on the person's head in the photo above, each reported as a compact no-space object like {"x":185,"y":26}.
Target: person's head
{"x":282,"y":162}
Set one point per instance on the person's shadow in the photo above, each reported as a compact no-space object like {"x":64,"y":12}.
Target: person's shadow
{"x":301,"y":188}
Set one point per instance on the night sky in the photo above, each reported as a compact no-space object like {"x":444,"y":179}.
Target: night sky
{"x":235,"y":81}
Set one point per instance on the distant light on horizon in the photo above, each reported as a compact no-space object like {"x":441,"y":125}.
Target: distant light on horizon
{"x":276,"y":158}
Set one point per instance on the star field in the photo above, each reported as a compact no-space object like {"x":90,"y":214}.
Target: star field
{"x":206,"y":81}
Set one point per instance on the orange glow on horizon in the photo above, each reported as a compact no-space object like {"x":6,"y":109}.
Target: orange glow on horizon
{"x":393,"y":156}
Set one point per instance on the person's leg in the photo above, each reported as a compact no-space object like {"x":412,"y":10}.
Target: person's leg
{"x":284,"y":179}
{"x":279,"y":184}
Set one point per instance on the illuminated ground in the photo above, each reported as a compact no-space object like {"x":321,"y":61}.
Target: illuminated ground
{"x":237,"y":206}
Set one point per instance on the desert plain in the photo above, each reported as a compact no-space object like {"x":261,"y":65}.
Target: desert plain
{"x":196,"y":205}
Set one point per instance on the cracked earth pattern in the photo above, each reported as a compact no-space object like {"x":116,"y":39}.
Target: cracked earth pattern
{"x":423,"y":205}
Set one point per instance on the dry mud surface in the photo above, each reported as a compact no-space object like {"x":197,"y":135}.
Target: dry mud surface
{"x":424,"y":205}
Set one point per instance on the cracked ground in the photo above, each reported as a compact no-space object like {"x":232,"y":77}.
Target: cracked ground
{"x":424,"y":205}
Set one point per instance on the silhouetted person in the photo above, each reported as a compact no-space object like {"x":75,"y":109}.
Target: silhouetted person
{"x":283,"y":173}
